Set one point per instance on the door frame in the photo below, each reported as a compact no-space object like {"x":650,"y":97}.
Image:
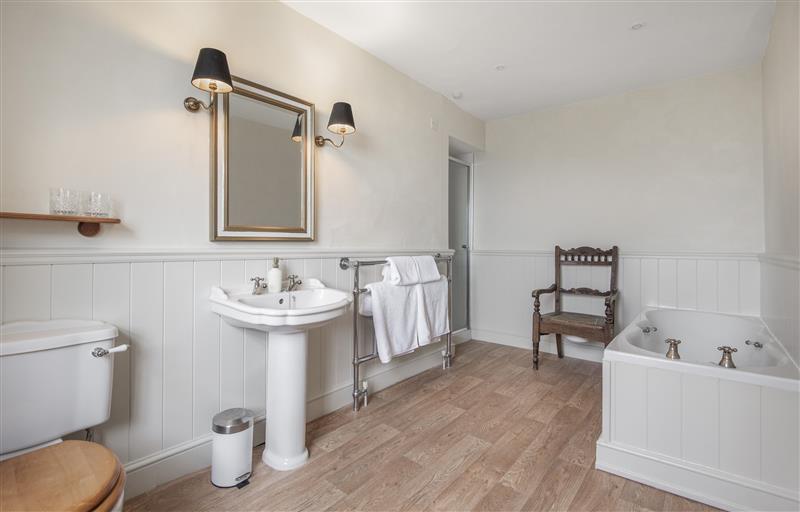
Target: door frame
{"x":470,"y":229}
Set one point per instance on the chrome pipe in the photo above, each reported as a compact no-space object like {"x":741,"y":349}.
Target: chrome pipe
{"x":447,"y":359}
{"x":364,"y":359}
{"x":356,"y":363}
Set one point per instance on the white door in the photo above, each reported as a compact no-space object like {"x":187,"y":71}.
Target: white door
{"x":459,"y":240}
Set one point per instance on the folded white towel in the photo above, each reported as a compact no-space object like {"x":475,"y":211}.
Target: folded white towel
{"x":402,"y":270}
{"x":409,"y":270}
{"x":395,"y":316}
{"x":428,"y":271}
{"x":433,"y":320}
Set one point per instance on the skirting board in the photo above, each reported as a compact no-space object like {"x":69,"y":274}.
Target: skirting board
{"x":722,"y":491}
{"x":586,"y":351}
{"x":148,"y":473}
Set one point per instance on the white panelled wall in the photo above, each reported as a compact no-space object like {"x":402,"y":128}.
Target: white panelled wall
{"x":185,"y":365}
{"x":502,"y":282}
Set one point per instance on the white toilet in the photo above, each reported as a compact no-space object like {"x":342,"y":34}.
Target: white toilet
{"x":55,"y":379}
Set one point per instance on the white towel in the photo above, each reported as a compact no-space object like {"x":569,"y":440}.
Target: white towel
{"x":433,"y":320}
{"x":365,"y":304}
{"x":405,"y":317}
{"x":401,"y":270}
{"x":410,"y":270}
{"x":395,"y":315}
{"x":428,"y":271}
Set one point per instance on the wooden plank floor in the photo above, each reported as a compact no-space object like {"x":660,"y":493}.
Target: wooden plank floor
{"x":488,"y":434}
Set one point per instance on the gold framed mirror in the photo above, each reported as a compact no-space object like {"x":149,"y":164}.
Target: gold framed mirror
{"x":262,"y":165}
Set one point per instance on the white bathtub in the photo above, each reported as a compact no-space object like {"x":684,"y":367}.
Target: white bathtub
{"x":726,"y":437}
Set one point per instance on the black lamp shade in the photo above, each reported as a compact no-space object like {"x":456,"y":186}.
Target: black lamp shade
{"x":211,"y":72}
{"x":297,"y":133}
{"x":341,"y":120}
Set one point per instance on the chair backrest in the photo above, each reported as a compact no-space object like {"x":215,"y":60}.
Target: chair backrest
{"x":585,"y":256}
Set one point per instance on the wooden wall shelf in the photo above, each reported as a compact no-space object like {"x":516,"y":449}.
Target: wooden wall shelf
{"x":87,"y":226}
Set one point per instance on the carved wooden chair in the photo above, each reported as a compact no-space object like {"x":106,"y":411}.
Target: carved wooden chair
{"x":591,"y":327}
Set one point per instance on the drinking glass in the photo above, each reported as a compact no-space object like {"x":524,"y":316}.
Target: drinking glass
{"x":96,"y":204}
{"x":63,"y":201}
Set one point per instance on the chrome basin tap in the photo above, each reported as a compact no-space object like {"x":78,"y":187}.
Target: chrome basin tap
{"x":294,"y":282}
{"x":258,"y":285}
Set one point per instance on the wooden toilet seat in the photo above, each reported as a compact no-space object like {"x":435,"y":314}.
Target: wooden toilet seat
{"x":74,"y":476}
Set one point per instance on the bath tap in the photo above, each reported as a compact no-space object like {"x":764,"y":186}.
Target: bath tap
{"x":258,"y":285}
{"x":672,"y":351}
{"x":648,"y":329}
{"x":294,"y":282}
{"x":756,"y":344}
{"x":727,"y":357}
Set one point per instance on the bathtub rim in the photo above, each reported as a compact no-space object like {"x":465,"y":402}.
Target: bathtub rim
{"x":784,"y":376}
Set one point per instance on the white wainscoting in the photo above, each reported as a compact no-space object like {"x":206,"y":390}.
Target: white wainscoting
{"x":722,"y":441}
{"x":501,"y":284}
{"x":780,"y":300}
{"x":185,"y":365}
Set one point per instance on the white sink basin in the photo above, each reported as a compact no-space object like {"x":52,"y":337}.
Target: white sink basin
{"x":287,"y":317}
{"x":310,"y":306}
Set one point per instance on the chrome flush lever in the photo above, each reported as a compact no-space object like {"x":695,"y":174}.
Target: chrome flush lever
{"x":102,"y":352}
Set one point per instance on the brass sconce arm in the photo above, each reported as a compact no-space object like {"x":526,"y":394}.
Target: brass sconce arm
{"x":320,"y":141}
{"x":194,"y":105}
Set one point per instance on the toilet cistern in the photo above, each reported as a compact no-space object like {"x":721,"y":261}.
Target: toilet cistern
{"x":286,"y":316}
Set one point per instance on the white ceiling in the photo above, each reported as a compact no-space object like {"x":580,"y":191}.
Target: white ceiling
{"x":553,"y":52}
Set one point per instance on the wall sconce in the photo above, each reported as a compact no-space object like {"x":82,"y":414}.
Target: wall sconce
{"x":211,"y":74}
{"x":341,"y":122}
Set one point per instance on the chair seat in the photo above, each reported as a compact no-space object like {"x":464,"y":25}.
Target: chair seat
{"x":577,"y":319}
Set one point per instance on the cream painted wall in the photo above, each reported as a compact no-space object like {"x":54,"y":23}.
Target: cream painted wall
{"x":781,"y":70}
{"x":671,"y":168}
{"x":780,"y":268}
{"x":92,"y":98}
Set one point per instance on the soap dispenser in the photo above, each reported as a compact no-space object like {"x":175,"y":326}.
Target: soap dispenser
{"x":274,"y":277}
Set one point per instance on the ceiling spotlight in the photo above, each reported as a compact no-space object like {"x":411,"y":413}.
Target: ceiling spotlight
{"x":637,"y":26}
{"x":457,"y":95}
{"x":500,"y":67}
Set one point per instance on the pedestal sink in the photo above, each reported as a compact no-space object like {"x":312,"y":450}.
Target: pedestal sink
{"x":287,"y":317}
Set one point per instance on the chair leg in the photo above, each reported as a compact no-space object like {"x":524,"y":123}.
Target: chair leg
{"x":536,"y":337}
{"x":559,"y":346}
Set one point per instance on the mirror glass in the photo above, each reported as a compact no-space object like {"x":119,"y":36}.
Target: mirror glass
{"x":263,"y":177}
{"x":265,"y":166}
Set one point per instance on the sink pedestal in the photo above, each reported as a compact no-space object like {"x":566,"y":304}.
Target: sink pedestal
{"x":286,"y":400}
{"x":286,"y":317}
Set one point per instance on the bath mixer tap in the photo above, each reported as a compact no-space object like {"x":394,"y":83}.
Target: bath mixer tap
{"x":755,"y":344}
{"x":294,"y":282}
{"x":672,"y":351}
{"x":258,"y":285}
{"x":727,"y":357}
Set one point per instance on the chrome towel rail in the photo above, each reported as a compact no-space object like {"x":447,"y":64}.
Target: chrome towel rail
{"x":360,"y":392}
